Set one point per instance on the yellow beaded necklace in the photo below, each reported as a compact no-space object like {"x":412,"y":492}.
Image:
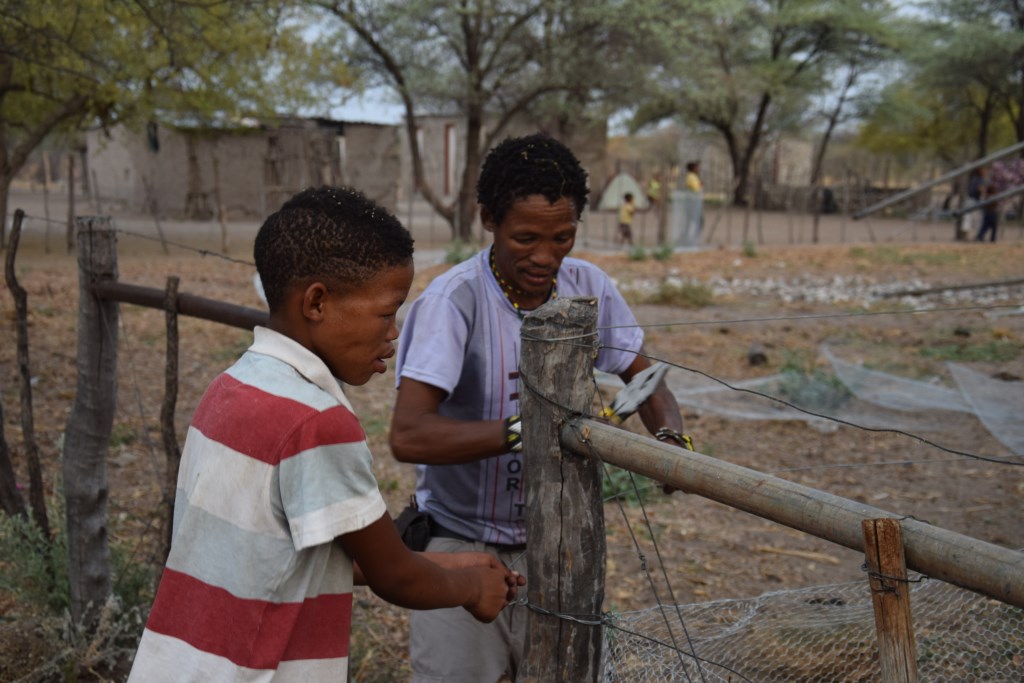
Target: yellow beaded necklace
{"x":507,"y":289}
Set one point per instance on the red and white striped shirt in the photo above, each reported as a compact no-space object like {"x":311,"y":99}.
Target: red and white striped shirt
{"x":275,"y":467}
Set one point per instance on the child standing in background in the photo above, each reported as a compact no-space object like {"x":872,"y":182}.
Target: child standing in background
{"x":626,"y":213}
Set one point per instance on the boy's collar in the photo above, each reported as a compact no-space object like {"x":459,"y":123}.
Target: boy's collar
{"x":282,"y":347}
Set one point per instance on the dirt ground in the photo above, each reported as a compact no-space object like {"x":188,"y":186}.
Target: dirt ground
{"x":709,"y":551}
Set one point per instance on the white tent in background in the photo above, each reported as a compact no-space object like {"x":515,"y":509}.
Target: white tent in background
{"x":615,"y":190}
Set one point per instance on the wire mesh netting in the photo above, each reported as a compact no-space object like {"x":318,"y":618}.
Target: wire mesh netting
{"x":824,"y":633}
{"x":859,"y":395}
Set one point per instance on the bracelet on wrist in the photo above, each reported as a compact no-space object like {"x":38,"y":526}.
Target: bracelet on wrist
{"x":683,"y":440}
{"x":514,"y":433}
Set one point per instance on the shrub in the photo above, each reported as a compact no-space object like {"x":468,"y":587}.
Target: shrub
{"x":457,"y":252}
{"x":682,"y":294}
{"x":637,"y":253}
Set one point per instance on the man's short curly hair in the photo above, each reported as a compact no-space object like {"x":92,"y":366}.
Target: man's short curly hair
{"x":332,"y":234}
{"x":535,"y":164}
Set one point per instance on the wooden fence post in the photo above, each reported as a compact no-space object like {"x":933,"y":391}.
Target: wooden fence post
{"x":87,"y":436}
{"x":37,"y":496}
{"x":172,"y":452}
{"x":897,"y":652}
{"x":564,"y":511}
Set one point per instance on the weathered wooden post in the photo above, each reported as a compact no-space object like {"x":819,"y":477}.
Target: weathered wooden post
{"x":897,"y":651}
{"x":87,"y":436}
{"x":37,"y":496}
{"x":565,"y":516}
{"x":172,"y":451}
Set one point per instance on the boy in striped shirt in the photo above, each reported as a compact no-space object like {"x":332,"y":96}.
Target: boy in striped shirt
{"x":278,"y":513}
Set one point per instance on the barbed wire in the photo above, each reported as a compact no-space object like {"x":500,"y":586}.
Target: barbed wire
{"x":831,"y":418}
{"x":176,"y":245}
{"x":200,"y":251}
{"x":815,"y":316}
{"x":788,"y":404}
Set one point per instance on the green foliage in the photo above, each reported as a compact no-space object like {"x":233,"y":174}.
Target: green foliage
{"x":457,"y":252}
{"x":69,"y":65}
{"x":637,"y":253}
{"x":995,"y":351}
{"x":682,"y":294}
{"x":35,"y":569}
{"x":810,"y":387}
{"x":623,"y":485}
{"x":664,"y":252}
{"x":121,"y":435}
{"x":749,"y":249}
{"x":894,"y":256}
{"x":750,"y":70}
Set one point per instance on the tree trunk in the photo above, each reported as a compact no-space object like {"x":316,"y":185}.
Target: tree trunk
{"x":90,"y":422}
{"x":69,"y":236}
{"x":465,"y":208}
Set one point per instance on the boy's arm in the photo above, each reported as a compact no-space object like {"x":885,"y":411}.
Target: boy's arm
{"x":448,"y":561}
{"x":419,"y":434}
{"x":408,"y":579}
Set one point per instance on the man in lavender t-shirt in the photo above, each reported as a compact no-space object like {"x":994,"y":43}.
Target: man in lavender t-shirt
{"x":458,"y":389}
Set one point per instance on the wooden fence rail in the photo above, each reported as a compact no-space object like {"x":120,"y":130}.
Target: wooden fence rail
{"x":961,"y":560}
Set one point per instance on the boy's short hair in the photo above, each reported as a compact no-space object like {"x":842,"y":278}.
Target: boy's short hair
{"x":332,"y":234}
{"x":628,"y":196}
{"x":535,"y":164}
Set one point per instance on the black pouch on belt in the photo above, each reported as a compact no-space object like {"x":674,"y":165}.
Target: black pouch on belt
{"x":413,"y":526}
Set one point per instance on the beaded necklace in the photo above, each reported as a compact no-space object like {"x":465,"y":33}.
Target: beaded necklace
{"x":508,"y":290}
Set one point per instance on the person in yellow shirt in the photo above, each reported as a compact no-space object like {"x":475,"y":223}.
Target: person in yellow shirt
{"x":692,"y":180}
{"x":654,"y":191}
{"x":626,"y":213}
{"x":693,"y":205}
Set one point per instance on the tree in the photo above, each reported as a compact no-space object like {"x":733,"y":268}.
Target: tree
{"x":976,"y":57}
{"x":748,"y":69}
{"x":70,"y":64}
{"x":490,"y":61}
{"x":960,"y":94}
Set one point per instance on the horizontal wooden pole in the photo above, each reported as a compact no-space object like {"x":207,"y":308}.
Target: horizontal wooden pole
{"x":961,"y":560}
{"x":966,"y":168}
{"x":187,"y":304}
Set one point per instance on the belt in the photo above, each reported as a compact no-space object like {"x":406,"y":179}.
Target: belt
{"x":441,"y":532}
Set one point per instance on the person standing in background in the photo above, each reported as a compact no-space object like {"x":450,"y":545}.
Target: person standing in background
{"x":693,"y":205}
{"x":626,"y":213}
{"x":989,"y":215}
{"x":972,"y":220}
